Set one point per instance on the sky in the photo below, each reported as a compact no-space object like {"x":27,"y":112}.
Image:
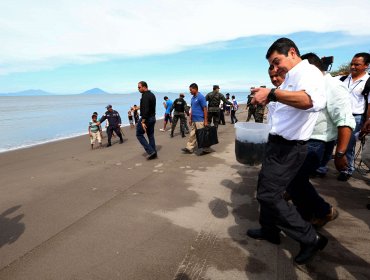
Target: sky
{"x":70,"y":46}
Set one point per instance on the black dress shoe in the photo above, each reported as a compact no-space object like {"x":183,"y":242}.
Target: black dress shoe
{"x":309,"y":250}
{"x":121,"y":141}
{"x":343,"y":177}
{"x":261,"y":234}
{"x":109,"y":144}
{"x":152,"y":156}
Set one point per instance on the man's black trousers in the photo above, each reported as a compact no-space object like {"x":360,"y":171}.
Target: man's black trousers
{"x":281,"y":164}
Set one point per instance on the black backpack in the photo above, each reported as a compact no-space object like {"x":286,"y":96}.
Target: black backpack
{"x":365,"y":93}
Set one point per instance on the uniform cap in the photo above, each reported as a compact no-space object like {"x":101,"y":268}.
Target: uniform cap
{"x":108,"y":106}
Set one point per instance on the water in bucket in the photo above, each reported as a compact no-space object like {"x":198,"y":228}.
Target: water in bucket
{"x":250,"y":142}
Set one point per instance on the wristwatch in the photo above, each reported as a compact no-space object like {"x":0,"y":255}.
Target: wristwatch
{"x":271,"y":97}
{"x":340,"y":154}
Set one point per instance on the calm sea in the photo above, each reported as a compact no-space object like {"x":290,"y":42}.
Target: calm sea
{"x":30,"y":120}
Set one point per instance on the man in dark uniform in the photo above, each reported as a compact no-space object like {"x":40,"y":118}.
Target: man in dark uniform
{"x":179,"y":106}
{"x":147,"y":121}
{"x":214,"y":98}
{"x":114,"y":121}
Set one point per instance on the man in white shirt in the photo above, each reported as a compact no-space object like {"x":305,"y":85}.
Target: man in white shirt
{"x":335,"y":122}
{"x":299,"y":99}
{"x":355,"y":82}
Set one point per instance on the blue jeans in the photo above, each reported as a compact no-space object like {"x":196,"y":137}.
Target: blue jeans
{"x":351,"y":148}
{"x":304,"y":196}
{"x":148,"y":146}
{"x":326,"y":157}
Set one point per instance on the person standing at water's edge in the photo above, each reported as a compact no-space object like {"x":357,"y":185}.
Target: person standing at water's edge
{"x":114,"y":120}
{"x":147,"y":121}
{"x":198,"y":118}
{"x":299,"y":100}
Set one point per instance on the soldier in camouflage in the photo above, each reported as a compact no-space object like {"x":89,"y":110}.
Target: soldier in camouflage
{"x":214,"y":98}
{"x":251,"y":108}
{"x":260,"y":112}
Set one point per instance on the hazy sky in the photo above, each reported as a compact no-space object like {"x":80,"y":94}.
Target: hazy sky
{"x":70,"y":46}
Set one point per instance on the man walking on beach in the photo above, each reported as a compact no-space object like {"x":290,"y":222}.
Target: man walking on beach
{"x":198,"y":118}
{"x":234,"y":107}
{"x":333,"y":126}
{"x":299,"y":99}
{"x":114,"y":121}
{"x":179,"y":107}
{"x":359,"y":94}
{"x":147,"y":121}
{"x":167,"y":115}
{"x":214,"y":98}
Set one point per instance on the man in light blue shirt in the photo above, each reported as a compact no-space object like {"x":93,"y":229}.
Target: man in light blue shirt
{"x":335,"y":122}
{"x":167,"y":115}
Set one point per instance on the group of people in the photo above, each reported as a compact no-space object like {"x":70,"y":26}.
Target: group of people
{"x":310,"y":113}
{"x":200,"y":114}
{"x":113,"y":125}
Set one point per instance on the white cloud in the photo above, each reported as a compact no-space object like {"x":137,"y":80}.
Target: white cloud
{"x":45,"y":34}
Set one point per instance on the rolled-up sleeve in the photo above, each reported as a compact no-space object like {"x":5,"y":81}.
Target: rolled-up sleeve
{"x":339,"y":104}
{"x":313,"y":84}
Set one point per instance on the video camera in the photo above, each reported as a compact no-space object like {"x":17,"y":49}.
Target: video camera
{"x":328,"y":62}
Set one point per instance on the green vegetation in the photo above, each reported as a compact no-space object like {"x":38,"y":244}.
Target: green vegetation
{"x":341,"y":70}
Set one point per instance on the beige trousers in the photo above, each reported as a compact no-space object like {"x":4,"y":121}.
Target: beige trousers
{"x":192,"y":141}
{"x":95,"y":136}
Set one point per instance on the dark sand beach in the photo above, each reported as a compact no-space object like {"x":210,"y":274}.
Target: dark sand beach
{"x":71,"y":213}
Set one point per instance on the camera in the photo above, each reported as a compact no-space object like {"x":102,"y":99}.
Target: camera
{"x":327,"y":61}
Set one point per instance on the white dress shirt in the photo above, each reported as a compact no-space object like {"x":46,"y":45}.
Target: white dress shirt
{"x":297,"y":124}
{"x":355,"y":89}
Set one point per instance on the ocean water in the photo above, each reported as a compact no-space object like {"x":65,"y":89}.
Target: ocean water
{"x":31,"y":120}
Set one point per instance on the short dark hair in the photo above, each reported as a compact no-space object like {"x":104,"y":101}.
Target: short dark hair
{"x":143,"y":84}
{"x":233,"y":96}
{"x":194,"y":86}
{"x":95,"y":113}
{"x":314,"y":60}
{"x":165,"y":98}
{"x":364,"y":55}
{"x":282,"y":46}
{"x":215,"y":87}
{"x":94,"y":116}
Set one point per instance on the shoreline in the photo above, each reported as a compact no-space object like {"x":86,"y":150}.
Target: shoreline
{"x":62,"y":138}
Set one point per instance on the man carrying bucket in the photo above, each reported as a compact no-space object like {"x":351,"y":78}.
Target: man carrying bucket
{"x":298,"y":99}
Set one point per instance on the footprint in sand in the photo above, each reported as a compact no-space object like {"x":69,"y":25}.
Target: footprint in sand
{"x":138,"y":164}
{"x":159,"y":165}
{"x":119,"y":163}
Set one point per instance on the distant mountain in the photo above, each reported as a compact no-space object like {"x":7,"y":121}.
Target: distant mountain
{"x":95,"y":91}
{"x":30,"y":92}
